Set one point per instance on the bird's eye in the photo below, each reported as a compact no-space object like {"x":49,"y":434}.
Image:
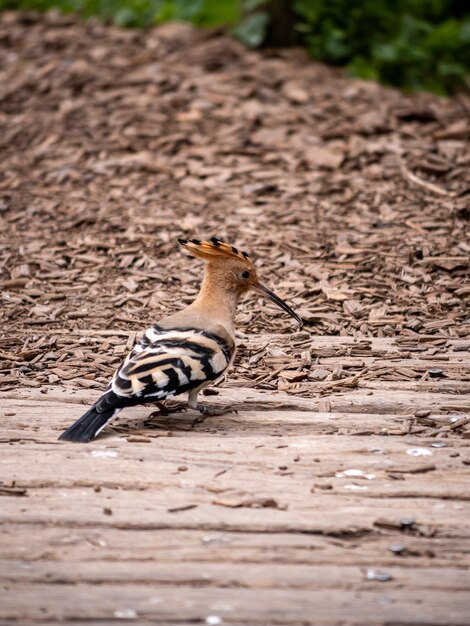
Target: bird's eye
{"x":245,"y":275}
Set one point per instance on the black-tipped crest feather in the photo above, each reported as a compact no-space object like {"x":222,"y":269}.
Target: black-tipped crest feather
{"x":213,"y":249}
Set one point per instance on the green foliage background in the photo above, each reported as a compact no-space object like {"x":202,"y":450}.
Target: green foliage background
{"x":140,"y":13}
{"x":413,"y":44}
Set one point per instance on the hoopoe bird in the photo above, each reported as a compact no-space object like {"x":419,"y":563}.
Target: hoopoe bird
{"x":184,"y":352}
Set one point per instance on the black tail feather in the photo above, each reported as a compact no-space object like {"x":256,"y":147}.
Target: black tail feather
{"x":89,"y":425}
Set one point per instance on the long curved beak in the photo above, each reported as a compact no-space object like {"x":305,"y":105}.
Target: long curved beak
{"x":277,"y":300}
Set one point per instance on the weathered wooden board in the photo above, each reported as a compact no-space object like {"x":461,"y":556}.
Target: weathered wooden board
{"x":47,"y":602}
{"x":347,"y":509}
{"x":75,"y":544}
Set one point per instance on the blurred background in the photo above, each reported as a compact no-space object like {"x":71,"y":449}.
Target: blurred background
{"x":413,"y":44}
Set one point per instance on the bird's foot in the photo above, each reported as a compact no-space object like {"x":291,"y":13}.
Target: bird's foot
{"x":209,"y":411}
{"x":164,"y":410}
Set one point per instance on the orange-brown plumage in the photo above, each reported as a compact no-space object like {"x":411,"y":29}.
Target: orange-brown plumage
{"x":228,"y":274}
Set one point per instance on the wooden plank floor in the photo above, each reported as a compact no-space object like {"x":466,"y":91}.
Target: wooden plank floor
{"x":347,"y":507}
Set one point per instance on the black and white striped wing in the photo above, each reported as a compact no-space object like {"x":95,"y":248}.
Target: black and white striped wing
{"x":168,"y":362}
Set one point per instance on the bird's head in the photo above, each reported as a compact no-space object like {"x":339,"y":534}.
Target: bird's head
{"x":232,"y":268}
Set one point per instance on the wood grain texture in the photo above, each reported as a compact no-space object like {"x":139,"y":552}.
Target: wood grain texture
{"x":253,"y":517}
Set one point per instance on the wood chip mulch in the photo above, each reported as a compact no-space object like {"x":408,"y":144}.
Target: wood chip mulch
{"x":353,"y":197}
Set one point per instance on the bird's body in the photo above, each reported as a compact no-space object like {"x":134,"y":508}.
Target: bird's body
{"x":184,"y":352}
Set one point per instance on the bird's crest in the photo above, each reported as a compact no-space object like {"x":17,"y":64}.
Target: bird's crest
{"x":214,"y":249}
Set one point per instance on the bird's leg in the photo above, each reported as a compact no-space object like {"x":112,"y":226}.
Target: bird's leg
{"x":194,"y":404}
{"x":206,"y":411}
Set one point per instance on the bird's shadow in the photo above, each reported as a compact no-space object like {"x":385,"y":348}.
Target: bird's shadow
{"x":174,"y":417}
{"x":232,"y":422}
